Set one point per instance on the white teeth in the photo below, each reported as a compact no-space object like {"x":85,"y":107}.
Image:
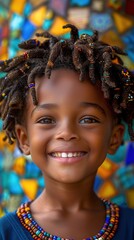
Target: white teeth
{"x":70,"y":154}
{"x":65,"y":155}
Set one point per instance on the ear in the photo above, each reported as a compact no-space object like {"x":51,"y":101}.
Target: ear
{"x":116,"y":138}
{"x":22,"y":139}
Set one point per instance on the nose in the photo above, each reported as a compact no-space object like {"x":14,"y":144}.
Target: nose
{"x":67,"y":132}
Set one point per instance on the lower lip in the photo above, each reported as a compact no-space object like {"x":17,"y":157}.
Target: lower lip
{"x":69,"y":160}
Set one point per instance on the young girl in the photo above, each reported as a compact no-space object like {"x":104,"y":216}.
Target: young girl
{"x":64,"y":102}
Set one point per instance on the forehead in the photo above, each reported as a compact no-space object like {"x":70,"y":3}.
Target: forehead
{"x":65,"y":83}
{"x":69,"y":94}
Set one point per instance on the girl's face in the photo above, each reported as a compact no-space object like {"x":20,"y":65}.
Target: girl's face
{"x":71,"y":130}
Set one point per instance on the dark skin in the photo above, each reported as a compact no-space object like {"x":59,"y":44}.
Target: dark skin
{"x":71,"y":116}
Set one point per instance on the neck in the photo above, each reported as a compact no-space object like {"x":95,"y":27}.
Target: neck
{"x":69,"y":196}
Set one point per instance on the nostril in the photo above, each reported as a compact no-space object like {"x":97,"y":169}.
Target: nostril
{"x":67,"y":134}
{"x":67,"y":137}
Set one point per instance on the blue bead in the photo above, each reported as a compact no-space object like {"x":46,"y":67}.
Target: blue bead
{"x":23,"y":214}
{"x":102,"y":231}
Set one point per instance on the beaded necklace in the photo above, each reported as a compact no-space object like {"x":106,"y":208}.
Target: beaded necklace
{"x":107,"y":232}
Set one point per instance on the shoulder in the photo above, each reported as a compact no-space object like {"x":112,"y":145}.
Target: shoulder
{"x":127,"y":213}
{"x":5,"y":221}
{"x":11,"y":228}
{"x":5,"y":226}
{"x":127,"y":218}
{"x":125,"y":228}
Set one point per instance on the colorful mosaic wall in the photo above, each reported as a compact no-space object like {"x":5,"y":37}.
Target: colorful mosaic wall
{"x":20,"y":179}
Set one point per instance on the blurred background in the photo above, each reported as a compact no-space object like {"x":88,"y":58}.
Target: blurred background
{"x":20,"y":179}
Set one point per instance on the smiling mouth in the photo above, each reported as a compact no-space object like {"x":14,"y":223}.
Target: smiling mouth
{"x":67,"y":157}
{"x":67,"y":154}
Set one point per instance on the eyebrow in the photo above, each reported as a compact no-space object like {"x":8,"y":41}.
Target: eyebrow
{"x":82,"y":104}
{"x":44,"y":106}
{"x":94,"y":105}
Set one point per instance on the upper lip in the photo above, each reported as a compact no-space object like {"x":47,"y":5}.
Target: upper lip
{"x":66,"y":149}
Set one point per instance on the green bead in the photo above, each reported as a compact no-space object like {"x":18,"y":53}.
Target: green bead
{"x":37,"y":232}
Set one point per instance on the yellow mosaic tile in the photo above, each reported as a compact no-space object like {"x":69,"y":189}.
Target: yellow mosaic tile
{"x":130,"y":197}
{"x":30,"y":187}
{"x":38,"y":16}
{"x":19,"y":165}
{"x":123,"y":23}
{"x":112,"y":38}
{"x":17,"y":7}
{"x":107,"y":190}
{"x":59,"y":21}
{"x":107,"y":168}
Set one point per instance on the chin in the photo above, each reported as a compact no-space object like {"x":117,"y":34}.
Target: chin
{"x":70,"y":179}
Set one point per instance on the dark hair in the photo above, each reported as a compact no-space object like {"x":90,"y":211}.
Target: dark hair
{"x":84,"y":54}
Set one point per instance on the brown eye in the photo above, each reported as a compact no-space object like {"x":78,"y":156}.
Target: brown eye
{"x":88,"y":120}
{"x":46,"y":120}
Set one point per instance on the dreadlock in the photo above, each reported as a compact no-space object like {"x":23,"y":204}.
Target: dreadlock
{"x":84,"y":54}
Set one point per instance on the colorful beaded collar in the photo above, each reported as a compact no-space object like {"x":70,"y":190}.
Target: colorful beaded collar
{"x":107,"y":232}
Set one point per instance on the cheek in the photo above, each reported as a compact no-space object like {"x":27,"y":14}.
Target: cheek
{"x":98,"y":140}
{"x":98,"y":134}
{"x":37,"y":141}
{"x":36,"y":134}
